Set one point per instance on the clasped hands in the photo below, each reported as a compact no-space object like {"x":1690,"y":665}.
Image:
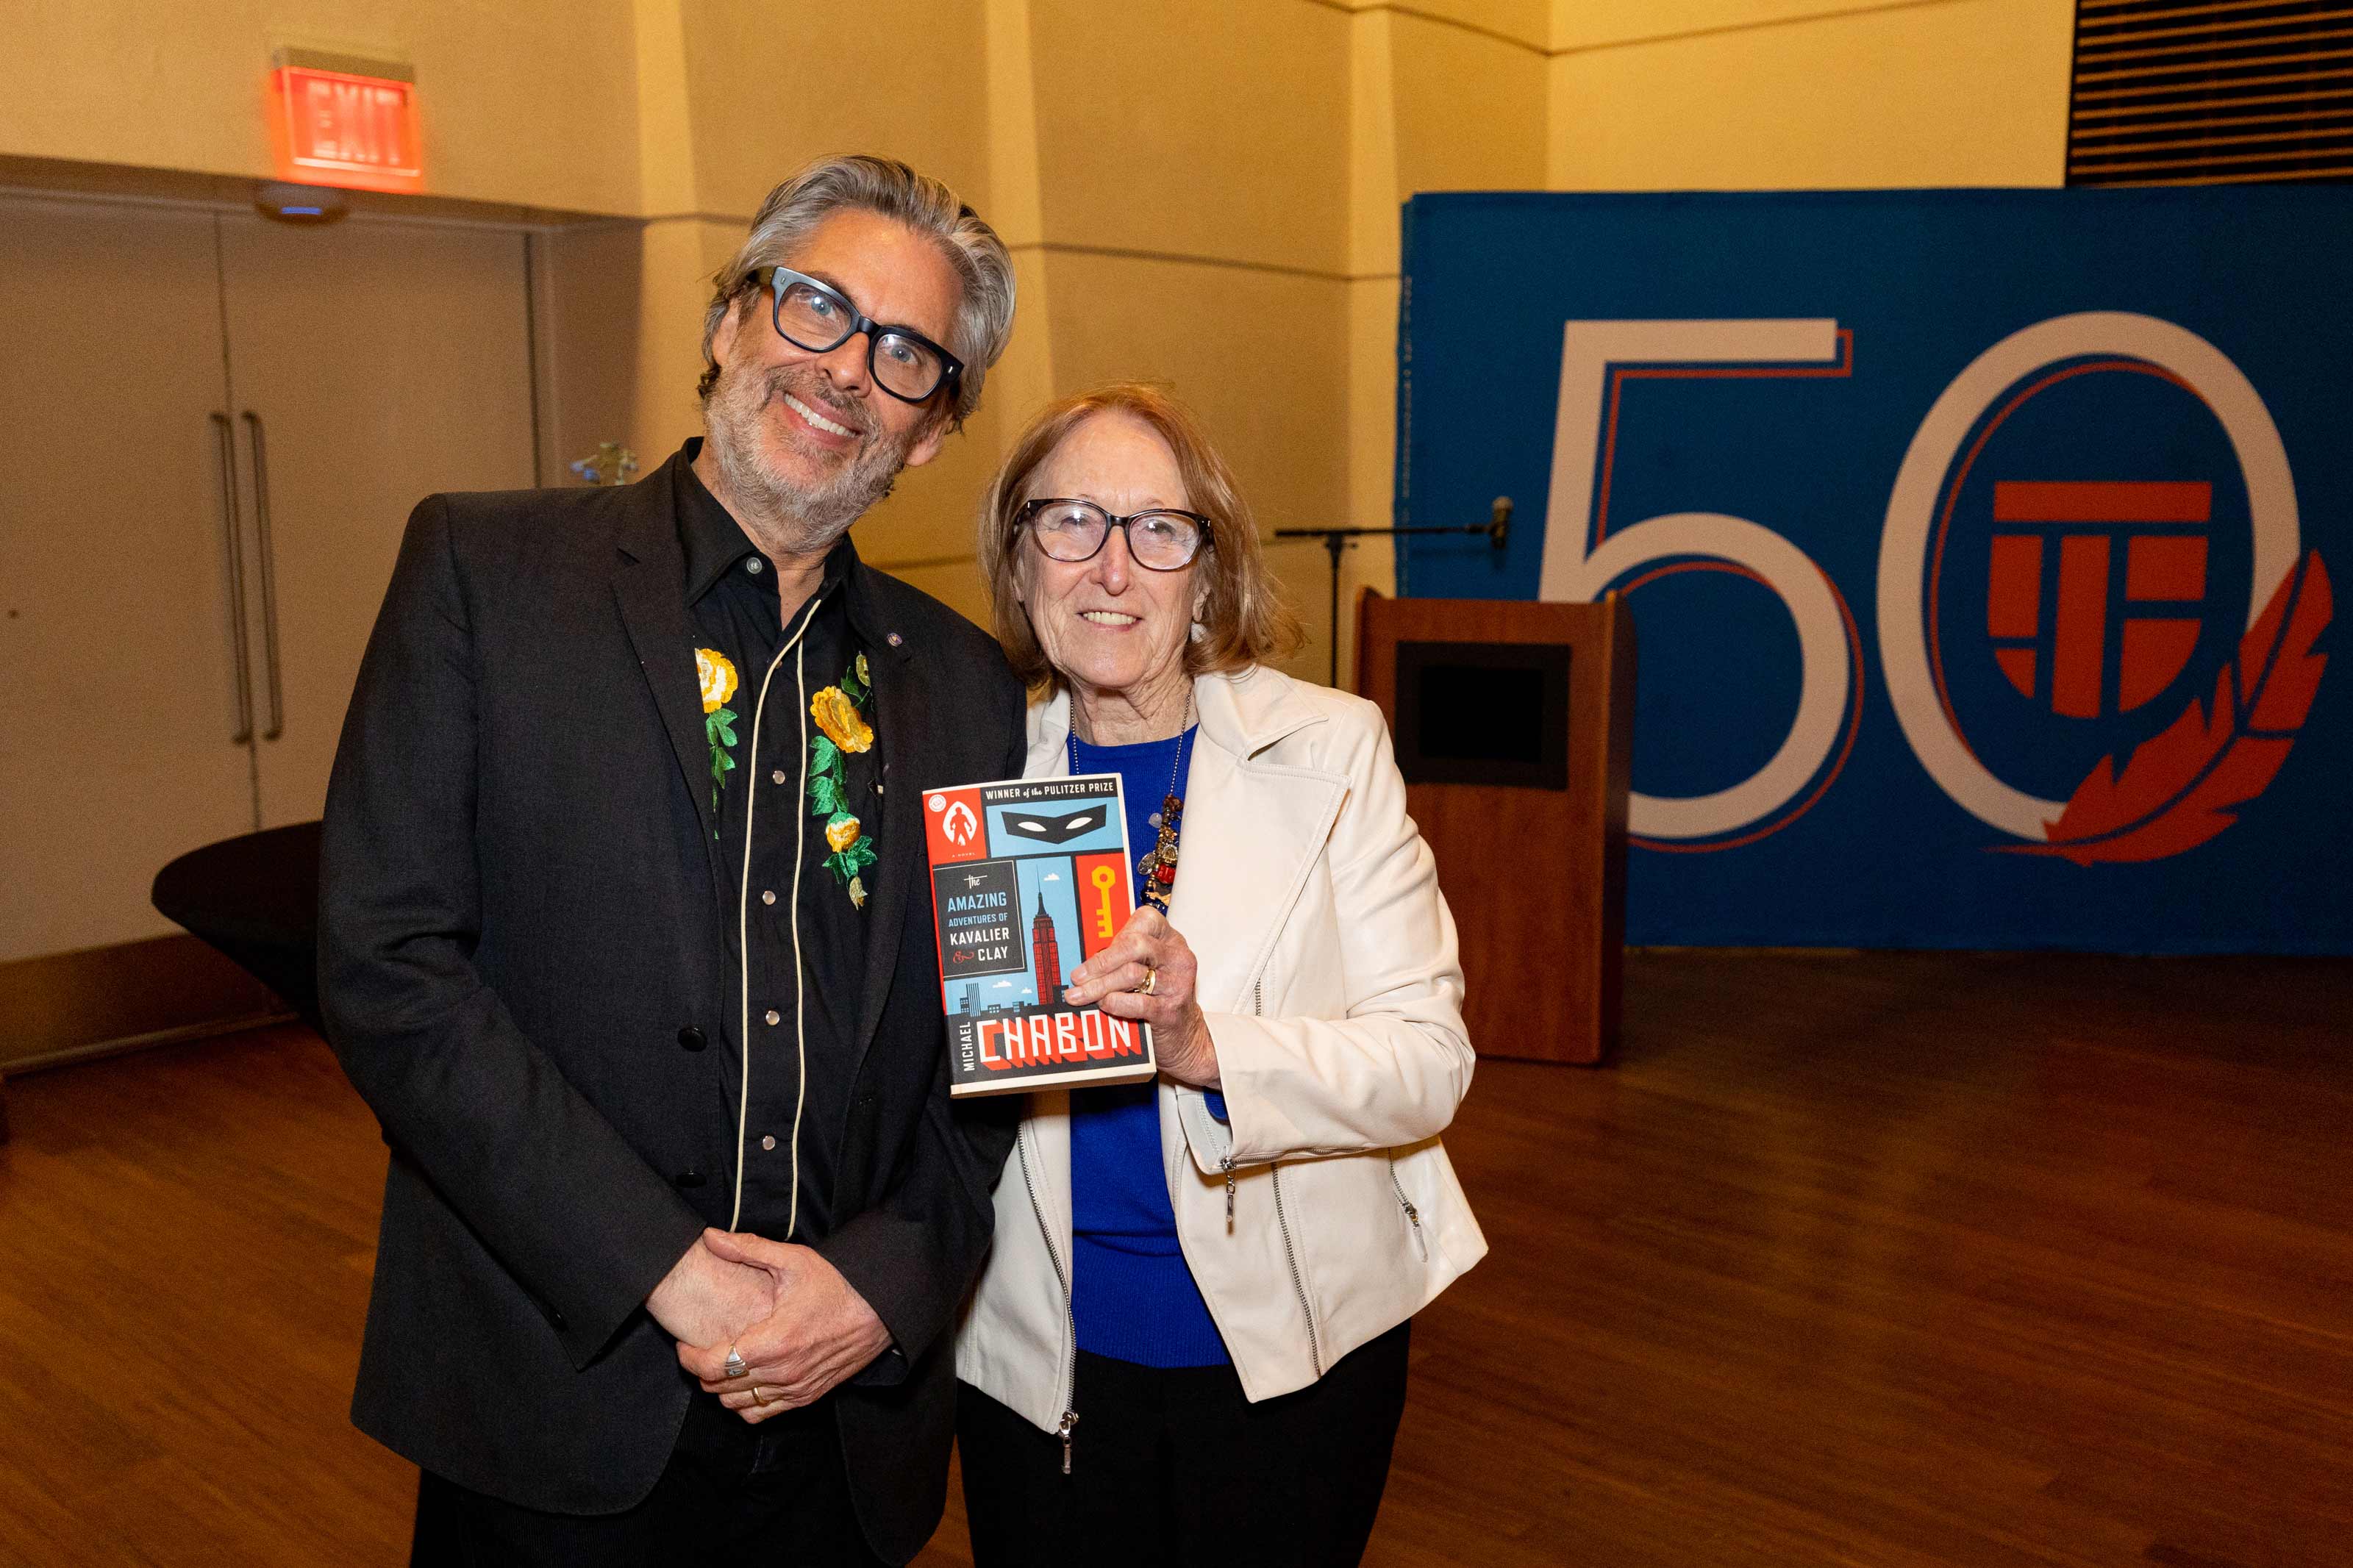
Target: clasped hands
{"x":798,"y":1326}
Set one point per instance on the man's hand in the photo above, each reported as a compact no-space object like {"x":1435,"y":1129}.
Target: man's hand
{"x":707,"y":1299}
{"x":820,"y":1331}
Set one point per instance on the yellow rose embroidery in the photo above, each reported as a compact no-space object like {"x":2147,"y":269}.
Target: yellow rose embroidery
{"x":841,"y":729}
{"x":717,"y":676}
{"x":838,"y":717}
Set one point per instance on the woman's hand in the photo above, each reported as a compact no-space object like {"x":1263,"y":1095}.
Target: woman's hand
{"x":1149,"y":947}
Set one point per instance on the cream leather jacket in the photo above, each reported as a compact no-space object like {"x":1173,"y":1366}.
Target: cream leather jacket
{"x":1324,"y":1211}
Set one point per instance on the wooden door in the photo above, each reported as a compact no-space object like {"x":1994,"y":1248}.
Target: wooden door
{"x":119,"y":712}
{"x":380,"y":360}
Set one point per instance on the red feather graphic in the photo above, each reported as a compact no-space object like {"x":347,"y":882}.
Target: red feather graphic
{"x":2180,"y":788}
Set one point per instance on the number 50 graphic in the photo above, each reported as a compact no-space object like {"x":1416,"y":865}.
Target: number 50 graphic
{"x":1580,"y":562}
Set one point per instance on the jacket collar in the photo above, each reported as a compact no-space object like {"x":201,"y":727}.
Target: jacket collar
{"x":905,"y":720}
{"x":1242,"y":713}
{"x":648,"y":581}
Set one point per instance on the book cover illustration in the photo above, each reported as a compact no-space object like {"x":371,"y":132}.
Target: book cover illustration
{"x":1029,"y":878}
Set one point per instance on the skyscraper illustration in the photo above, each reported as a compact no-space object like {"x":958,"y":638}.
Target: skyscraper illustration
{"x":1045,"y":955}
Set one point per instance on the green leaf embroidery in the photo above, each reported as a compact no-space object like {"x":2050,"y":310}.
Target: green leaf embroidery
{"x":847,"y":863}
{"x":829,"y":791}
{"x":719,"y":729}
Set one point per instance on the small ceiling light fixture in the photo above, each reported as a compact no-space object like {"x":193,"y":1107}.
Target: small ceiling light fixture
{"x":300,"y":204}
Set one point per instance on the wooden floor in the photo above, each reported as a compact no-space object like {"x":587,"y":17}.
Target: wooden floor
{"x":1877,"y":1260}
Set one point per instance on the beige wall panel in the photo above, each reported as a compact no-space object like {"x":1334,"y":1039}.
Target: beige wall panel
{"x":1582,"y":24}
{"x":1528,"y":23}
{"x":1971,"y":93}
{"x":1470,"y":113}
{"x":1213,"y":128}
{"x":906,"y":78}
{"x":1023,"y":382}
{"x":929,"y":515}
{"x":1434,"y":108}
{"x":1372,"y":144}
{"x":530,"y":102}
{"x":1261,"y":356}
{"x":1306,"y":573}
{"x":590,"y":281}
{"x":675,"y":263}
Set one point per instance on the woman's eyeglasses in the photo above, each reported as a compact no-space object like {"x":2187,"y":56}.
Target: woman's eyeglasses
{"x":1074,"y":531}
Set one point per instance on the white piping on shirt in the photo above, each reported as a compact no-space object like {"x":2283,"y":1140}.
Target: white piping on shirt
{"x":743,"y":925}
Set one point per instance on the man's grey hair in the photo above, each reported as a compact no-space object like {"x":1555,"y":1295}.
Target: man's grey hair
{"x":984,"y":319}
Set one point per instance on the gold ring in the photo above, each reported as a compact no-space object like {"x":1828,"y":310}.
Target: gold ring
{"x":758,"y":1397}
{"x":1151,"y":980}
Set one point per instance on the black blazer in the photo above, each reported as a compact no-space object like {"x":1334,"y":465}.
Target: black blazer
{"x":521,"y":958}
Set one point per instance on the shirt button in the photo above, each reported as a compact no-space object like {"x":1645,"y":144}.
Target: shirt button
{"x":775,"y":1017}
{"x":778,"y":776}
{"x":768,"y":896}
{"x":752,"y":567}
{"x":769,"y":1141}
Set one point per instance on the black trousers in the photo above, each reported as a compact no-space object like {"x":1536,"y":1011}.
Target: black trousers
{"x":1174,"y":1467}
{"x":775,"y":1495}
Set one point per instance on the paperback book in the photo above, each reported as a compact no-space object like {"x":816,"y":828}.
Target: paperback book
{"x":1030,"y":877}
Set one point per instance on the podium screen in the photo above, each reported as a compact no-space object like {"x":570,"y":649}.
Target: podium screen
{"x":1483,"y":713}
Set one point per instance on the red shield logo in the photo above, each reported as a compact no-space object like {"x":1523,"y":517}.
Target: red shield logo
{"x":2094,"y":590}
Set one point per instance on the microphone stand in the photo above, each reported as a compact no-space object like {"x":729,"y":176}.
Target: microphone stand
{"x":1497,"y":528}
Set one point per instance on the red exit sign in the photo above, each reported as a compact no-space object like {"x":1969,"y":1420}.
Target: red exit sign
{"x":347,"y":122}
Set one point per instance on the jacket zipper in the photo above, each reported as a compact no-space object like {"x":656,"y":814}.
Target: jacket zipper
{"x":1315,"y":1346}
{"x":1069,"y":1314}
{"x":1411,"y":1213}
{"x":1275,"y":1176}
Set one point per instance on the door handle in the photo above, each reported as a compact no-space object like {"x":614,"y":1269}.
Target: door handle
{"x":239,"y":654}
{"x":268,"y":579}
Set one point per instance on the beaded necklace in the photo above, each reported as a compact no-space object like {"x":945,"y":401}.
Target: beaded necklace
{"x":1156,"y":868}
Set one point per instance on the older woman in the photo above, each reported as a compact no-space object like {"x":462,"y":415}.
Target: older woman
{"x":1189,"y":1341}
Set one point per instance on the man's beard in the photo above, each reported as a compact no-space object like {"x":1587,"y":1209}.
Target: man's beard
{"x":811,"y":517}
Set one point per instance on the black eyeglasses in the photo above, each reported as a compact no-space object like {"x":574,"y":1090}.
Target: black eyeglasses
{"x":1164,"y":539}
{"x":810,"y":315}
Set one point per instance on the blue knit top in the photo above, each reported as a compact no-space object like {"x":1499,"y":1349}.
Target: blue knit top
{"x":1131,"y":1293}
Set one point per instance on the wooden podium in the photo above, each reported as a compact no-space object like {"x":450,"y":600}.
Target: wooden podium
{"x":1511,"y":721}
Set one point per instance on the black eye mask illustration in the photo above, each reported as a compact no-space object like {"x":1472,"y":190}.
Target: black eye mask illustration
{"x":1053,"y":829}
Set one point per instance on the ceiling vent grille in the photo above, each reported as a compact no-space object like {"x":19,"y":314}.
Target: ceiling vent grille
{"x":2177,"y":92}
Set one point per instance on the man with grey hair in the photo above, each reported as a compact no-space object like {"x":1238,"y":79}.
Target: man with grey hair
{"x":625,"y":938}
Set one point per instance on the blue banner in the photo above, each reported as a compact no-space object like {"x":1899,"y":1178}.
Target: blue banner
{"x":1979,"y":544}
